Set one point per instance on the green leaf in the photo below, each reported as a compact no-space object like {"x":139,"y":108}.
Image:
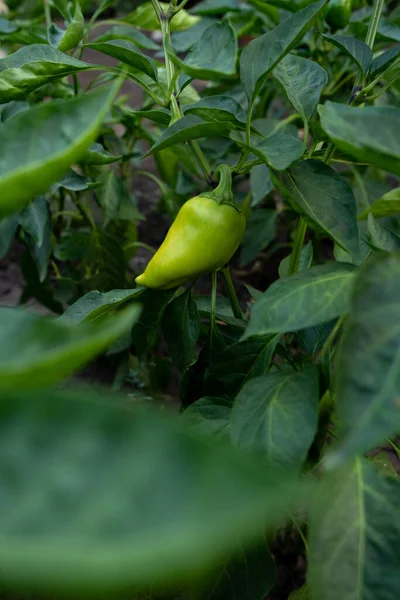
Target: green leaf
{"x":276,"y":415}
{"x":216,"y":7}
{"x":210,"y":416}
{"x":279,"y":150}
{"x":129,"y":33}
{"x":39,"y":145}
{"x":383,"y":61}
{"x":145,"y":17}
{"x":366,"y":134}
{"x":41,"y":252}
{"x":386,"y":206}
{"x":188,"y":128}
{"x":98,"y":155}
{"x":33,"y":66}
{"x":306,"y":257}
{"x":260,"y":232}
{"x":302,"y":81}
{"x":72,"y":181}
{"x":39,"y":351}
{"x":7,"y":26}
{"x":109,"y":196}
{"x":326,"y":200}
{"x":357,"y":50}
{"x":355,"y":535}
{"x":381,"y":238}
{"x":8,"y":227}
{"x":305,"y":299}
{"x":146,"y":331}
{"x":103,"y":497}
{"x":260,"y":183}
{"x":181,"y":329}
{"x":300,"y":594}
{"x":129,"y":54}
{"x":263,"y":54}
{"x":182,"y":41}
{"x":248,"y":575}
{"x":383,"y":464}
{"x":96,"y":305}
{"x":74,"y":32}
{"x":218,"y":108}
{"x":368,"y":361}
{"x":33,"y":219}
{"x":218,"y":40}
{"x":238,"y":363}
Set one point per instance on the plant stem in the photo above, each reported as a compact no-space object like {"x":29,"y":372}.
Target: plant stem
{"x":297,"y":246}
{"x":237,"y":311}
{"x":374,"y":22}
{"x":47,"y":13}
{"x":165,"y":21}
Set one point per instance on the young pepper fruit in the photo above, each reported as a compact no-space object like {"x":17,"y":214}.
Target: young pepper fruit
{"x":338,"y":13}
{"x":205,"y":235}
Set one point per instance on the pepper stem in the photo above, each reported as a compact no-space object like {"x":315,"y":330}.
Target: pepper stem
{"x":223,"y":192}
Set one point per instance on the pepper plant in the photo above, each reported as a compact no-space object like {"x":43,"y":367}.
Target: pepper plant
{"x":271,"y":128}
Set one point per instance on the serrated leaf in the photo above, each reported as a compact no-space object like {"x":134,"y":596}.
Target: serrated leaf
{"x":355,"y":532}
{"x":302,"y":81}
{"x":59,"y":134}
{"x":368,"y":360}
{"x":386,"y":206}
{"x":188,"y":128}
{"x":33,"y":66}
{"x":217,"y":40}
{"x":276,"y":415}
{"x":95,"y":305}
{"x":305,"y":299}
{"x":263,"y":54}
{"x":366,"y":134}
{"x":326,"y":200}
{"x":39,"y":351}
{"x":357,"y":50}
{"x":129,"y":54}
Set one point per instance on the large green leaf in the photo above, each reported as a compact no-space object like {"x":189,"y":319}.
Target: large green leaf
{"x":239,"y":362}
{"x":326,"y":200}
{"x":386,"y":206}
{"x":276,"y":415}
{"x":279,"y":150}
{"x":188,"y":128}
{"x":95,"y":305}
{"x":358,"y":50}
{"x":248,"y":575}
{"x":367,"y":379}
{"x":262,"y":55}
{"x":181,"y":329}
{"x":38,"y":146}
{"x":308,"y":298}
{"x":303,"y":81}
{"x":355,"y":536}
{"x":144,"y":16}
{"x":38,"y":351}
{"x":368,"y":134}
{"x":99,"y":497}
{"x":33,"y":66}
{"x":218,"y":108}
{"x":260,"y":232}
{"x":129,"y":54}
{"x":384,"y":60}
{"x":218,"y":40}
{"x":127,"y":32}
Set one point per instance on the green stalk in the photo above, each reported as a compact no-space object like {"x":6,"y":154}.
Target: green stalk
{"x":237,"y":311}
{"x":297,"y":246}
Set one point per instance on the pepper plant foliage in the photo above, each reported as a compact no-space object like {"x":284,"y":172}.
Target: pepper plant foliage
{"x":290,"y":398}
